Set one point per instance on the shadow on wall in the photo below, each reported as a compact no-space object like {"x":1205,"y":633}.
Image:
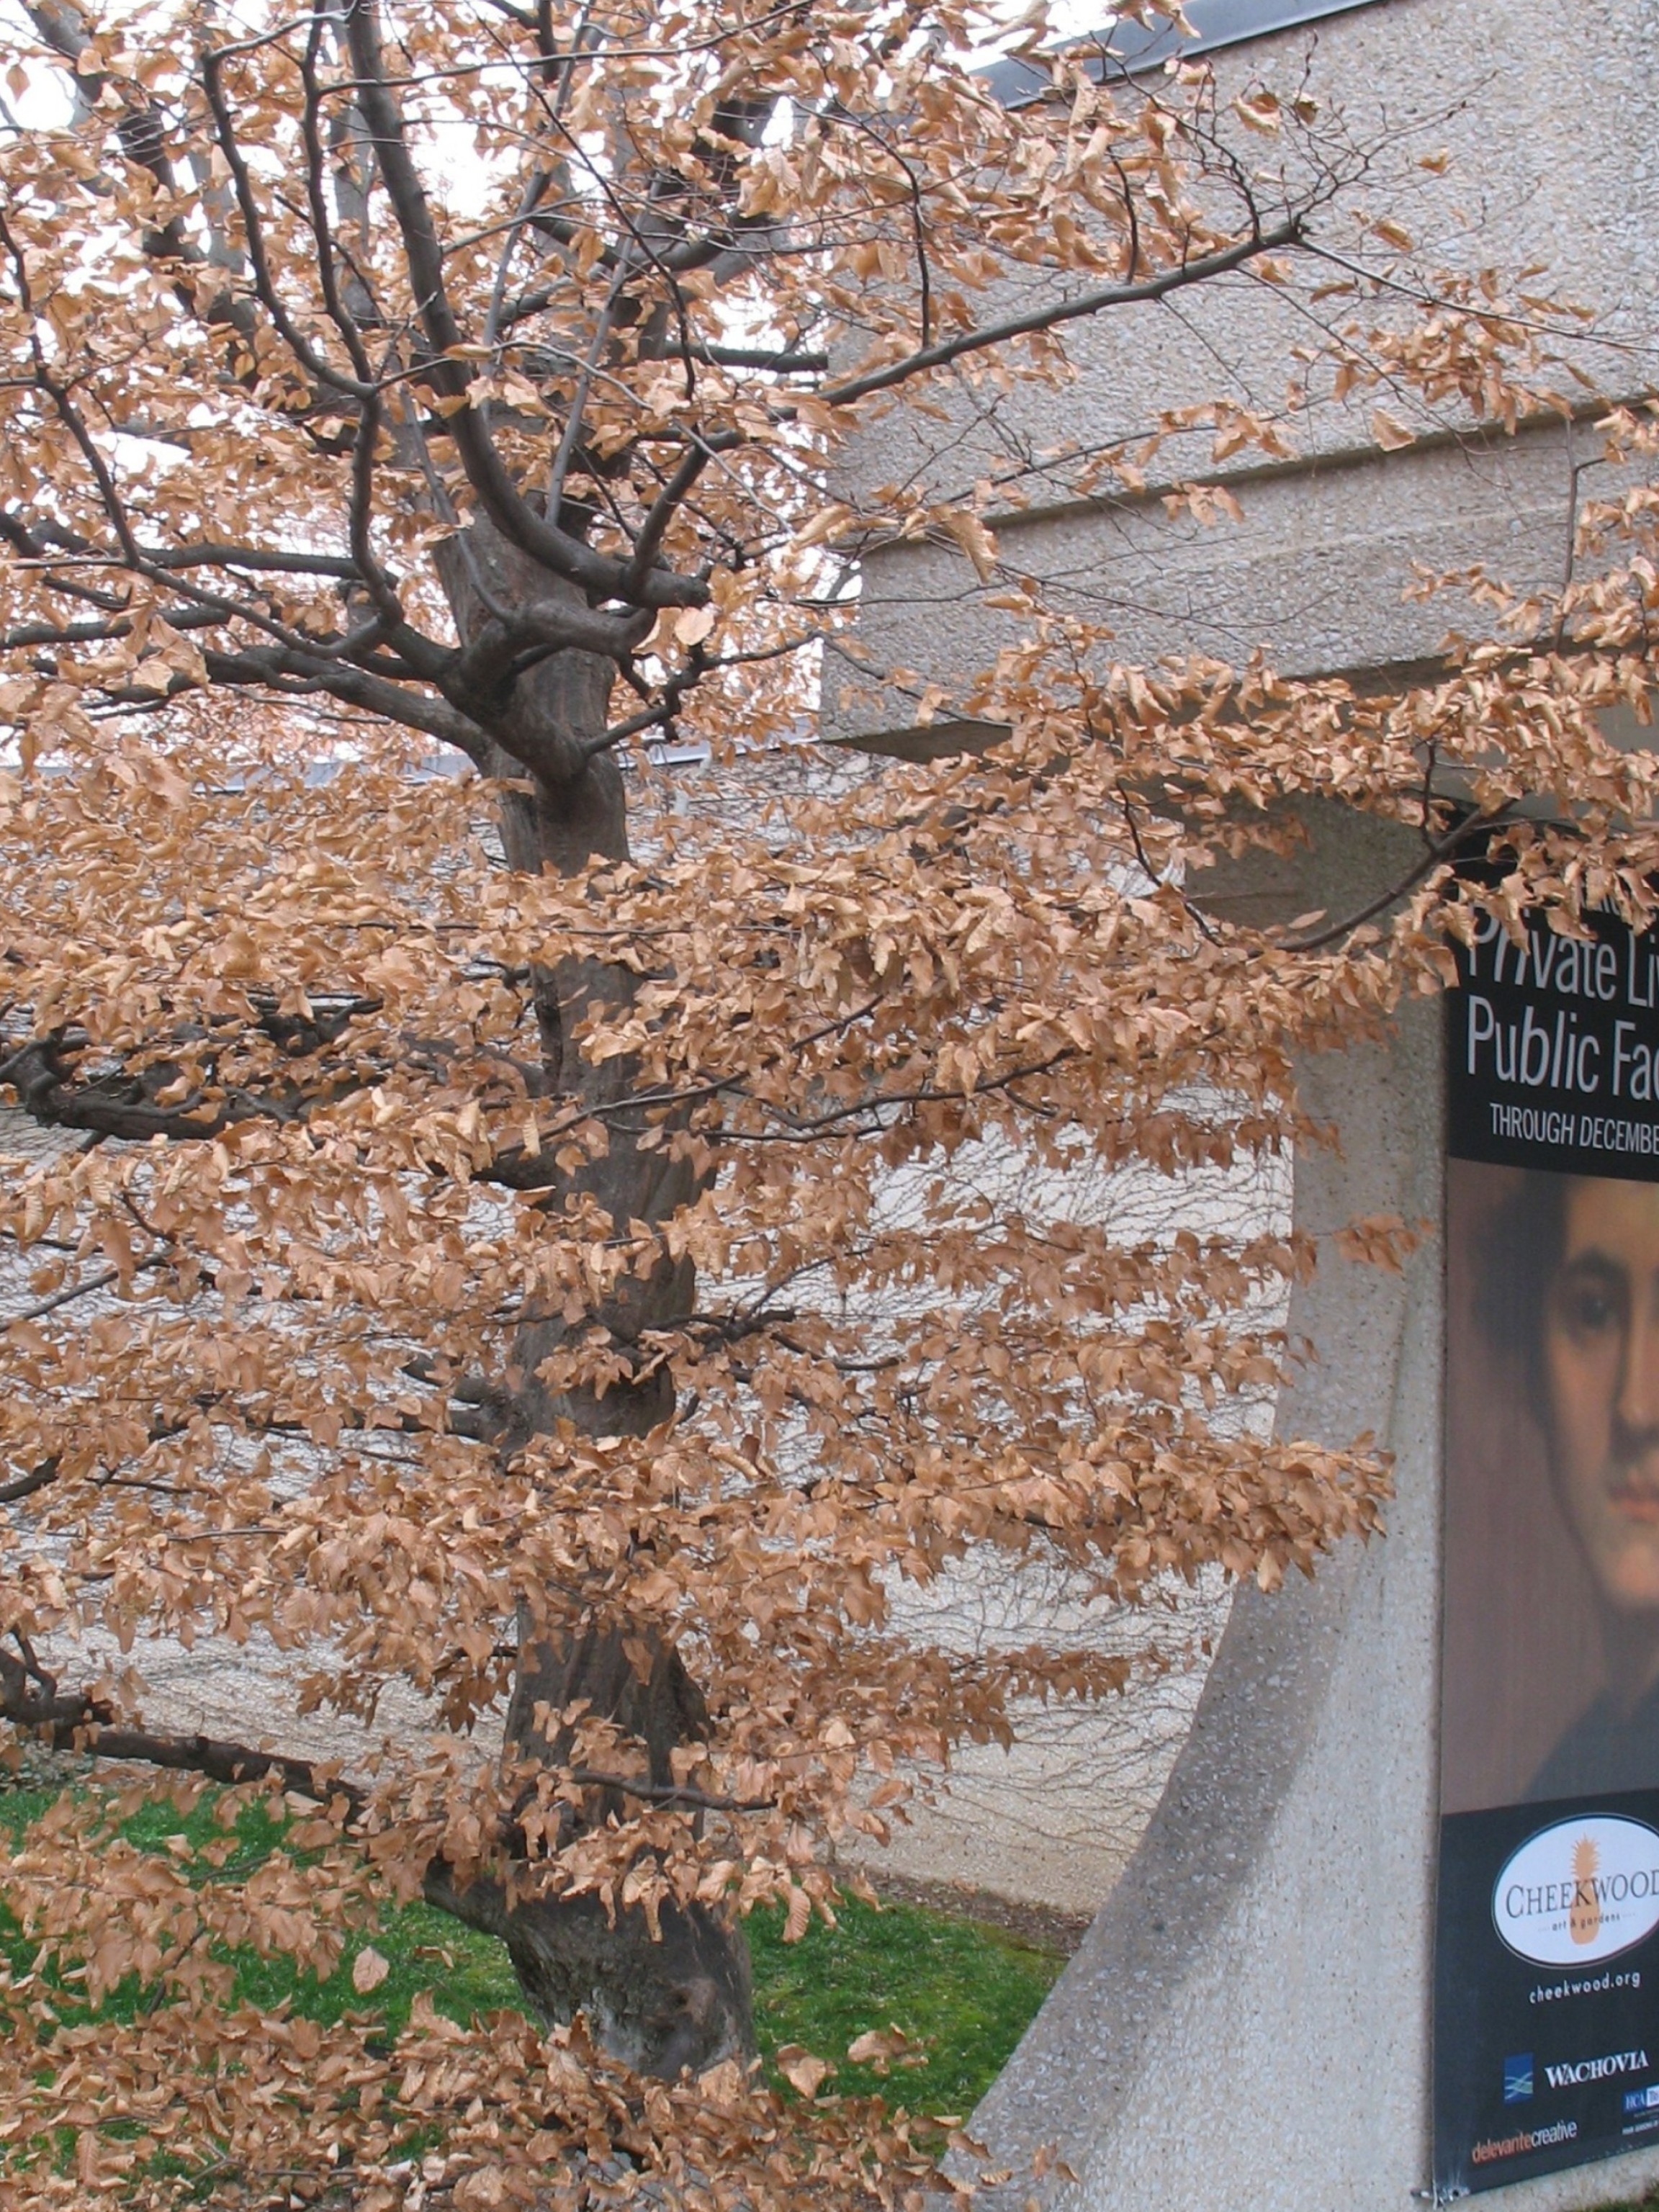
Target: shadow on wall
{"x":1053,"y":1821}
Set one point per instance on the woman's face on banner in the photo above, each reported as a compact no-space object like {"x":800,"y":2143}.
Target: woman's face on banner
{"x":1601,"y":1362}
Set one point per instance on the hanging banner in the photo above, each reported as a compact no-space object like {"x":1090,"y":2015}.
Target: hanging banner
{"x":1547,"y":1946}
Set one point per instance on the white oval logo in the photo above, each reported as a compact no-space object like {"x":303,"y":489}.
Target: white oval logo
{"x":1582,"y":1890}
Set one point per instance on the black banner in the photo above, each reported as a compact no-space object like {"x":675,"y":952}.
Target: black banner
{"x":1546,"y":1944}
{"x":1551,"y":1051}
{"x":1547,"y":1989}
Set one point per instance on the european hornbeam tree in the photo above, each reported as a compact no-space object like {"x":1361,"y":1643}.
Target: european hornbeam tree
{"x":472,"y":1263}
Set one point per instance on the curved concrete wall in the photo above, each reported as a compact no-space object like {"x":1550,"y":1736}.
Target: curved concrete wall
{"x":1247,"y":2025}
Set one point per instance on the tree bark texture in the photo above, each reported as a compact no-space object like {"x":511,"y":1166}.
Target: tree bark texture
{"x":681,"y":1998}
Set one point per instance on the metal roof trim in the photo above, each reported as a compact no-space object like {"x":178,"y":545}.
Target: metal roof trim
{"x":1129,"y":47}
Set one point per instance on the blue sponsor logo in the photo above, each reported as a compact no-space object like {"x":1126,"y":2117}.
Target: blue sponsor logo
{"x":1517,"y":2079}
{"x":1642,"y":2100}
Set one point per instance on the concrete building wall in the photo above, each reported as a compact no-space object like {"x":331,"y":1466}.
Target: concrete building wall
{"x":1542,"y":128}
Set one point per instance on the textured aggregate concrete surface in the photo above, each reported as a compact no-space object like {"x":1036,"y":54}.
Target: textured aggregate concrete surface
{"x":1549,"y":124}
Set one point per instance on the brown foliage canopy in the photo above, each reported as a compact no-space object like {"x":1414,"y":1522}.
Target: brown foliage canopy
{"x":479,"y":1267}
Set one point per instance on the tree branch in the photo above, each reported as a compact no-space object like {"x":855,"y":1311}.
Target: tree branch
{"x":1475,"y":826}
{"x":563,"y":555}
{"x":76,"y":1721}
{"x":320,"y":370}
{"x":1288,"y":233}
{"x":555,"y":625}
{"x":667,"y":504}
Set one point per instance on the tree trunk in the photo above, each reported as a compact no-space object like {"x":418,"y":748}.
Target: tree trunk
{"x":683,"y":1998}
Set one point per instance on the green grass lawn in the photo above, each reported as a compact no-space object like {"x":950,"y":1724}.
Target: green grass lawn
{"x":964,"y":1992}
{"x":960,"y":1993}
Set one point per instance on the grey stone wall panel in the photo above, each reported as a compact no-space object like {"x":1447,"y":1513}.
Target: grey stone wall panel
{"x":1550,"y":127}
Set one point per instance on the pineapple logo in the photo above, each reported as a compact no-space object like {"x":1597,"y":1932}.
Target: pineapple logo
{"x":1584,"y":1920}
{"x":1583,"y":1888}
